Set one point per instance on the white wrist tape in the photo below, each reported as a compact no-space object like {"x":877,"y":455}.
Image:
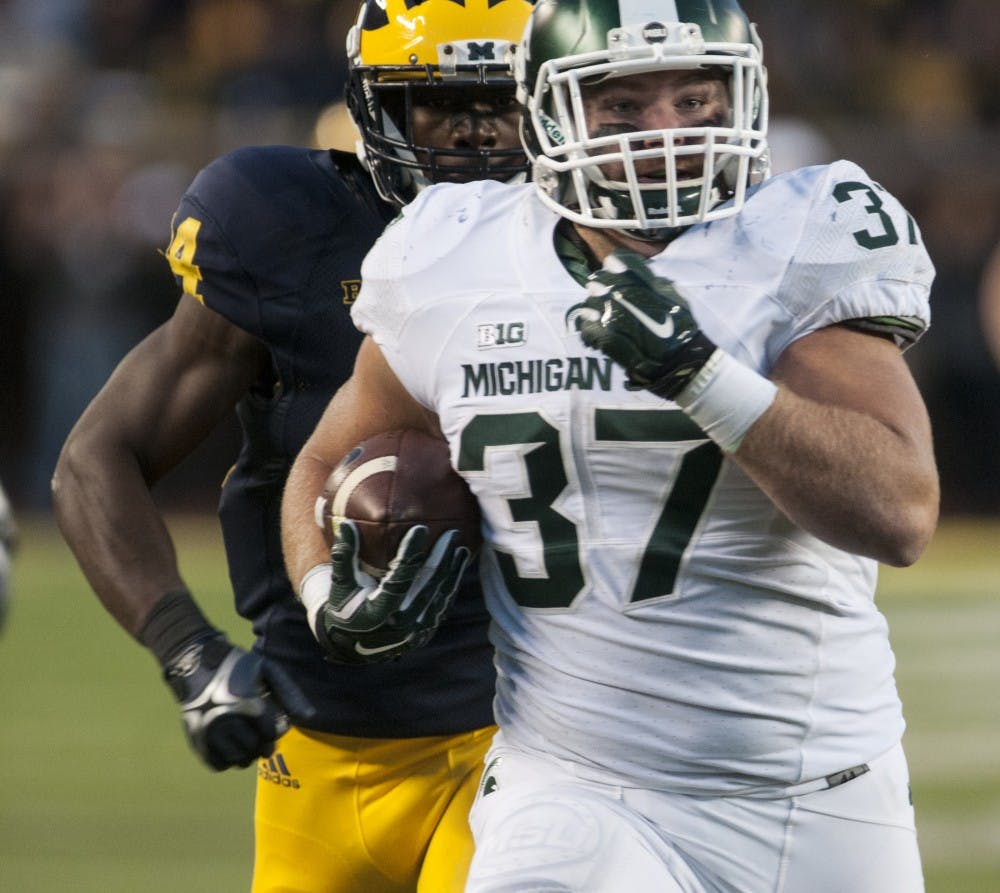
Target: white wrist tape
{"x":725,"y":398}
{"x":314,"y":590}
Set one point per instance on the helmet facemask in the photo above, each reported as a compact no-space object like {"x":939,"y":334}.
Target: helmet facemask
{"x":719,"y":160}
{"x":382,"y":103}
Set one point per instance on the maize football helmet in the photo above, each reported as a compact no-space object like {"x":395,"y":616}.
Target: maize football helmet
{"x":572,"y":43}
{"x":398,"y":49}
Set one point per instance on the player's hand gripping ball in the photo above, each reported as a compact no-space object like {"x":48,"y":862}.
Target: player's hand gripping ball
{"x":388,"y":484}
{"x":402,"y":525}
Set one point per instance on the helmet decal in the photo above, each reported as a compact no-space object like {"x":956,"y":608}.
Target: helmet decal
{"x":552,"y":130}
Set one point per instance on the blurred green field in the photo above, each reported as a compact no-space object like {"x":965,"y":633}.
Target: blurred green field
{"x":99,"y":793}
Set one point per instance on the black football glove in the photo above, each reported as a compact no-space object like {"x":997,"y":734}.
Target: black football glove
{"x":642,"y":323}
{"x":232,"y":701}
{"x":365,"y":620}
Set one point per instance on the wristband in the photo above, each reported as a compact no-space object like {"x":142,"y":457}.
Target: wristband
{"x":314,"y":590}
{"x":173,"y":624}
{"x":725,"y":398}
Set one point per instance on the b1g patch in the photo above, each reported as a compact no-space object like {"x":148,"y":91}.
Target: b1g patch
{"x":501,"y":334}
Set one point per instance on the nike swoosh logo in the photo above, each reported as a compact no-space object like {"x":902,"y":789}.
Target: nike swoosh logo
{"x":663,"y":329}
{"x":366,"y":652}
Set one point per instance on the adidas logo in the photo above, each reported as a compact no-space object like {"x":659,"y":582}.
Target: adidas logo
{"x":275,"y":770}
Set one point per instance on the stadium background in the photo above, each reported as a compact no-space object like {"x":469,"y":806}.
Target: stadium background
{"x":109,"y":107}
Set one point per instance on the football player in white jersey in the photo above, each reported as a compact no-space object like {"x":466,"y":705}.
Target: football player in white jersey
{"x":676,"y":387}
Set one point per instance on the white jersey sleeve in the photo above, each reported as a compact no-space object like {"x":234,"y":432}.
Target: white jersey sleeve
{"x":860,"y":254}
{"x":821,"y":245}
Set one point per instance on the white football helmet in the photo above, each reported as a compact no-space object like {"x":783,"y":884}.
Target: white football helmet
{"x":572,"y":43}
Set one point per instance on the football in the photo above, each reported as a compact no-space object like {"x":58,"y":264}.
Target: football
{"x":390,"y":482}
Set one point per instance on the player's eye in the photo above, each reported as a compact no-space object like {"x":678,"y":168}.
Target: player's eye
{"x":621,"y":107}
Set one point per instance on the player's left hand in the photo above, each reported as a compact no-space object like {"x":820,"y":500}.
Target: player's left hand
{"x":641,"y":322}
{"x":366,"y":620}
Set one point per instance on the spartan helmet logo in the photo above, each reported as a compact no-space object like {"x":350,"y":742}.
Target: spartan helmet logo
{"x":489,"y":781}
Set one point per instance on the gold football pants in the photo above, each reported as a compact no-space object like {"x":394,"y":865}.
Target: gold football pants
{"x":366,"y":815}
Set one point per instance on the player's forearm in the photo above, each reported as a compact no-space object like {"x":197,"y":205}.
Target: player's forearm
{"x":371,"y":401}
{"x":301,"y":538}
{"x":106,"y":513}
{"x":845,"y":477}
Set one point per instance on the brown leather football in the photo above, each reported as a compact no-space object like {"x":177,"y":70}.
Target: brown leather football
{"x":390,"y":482}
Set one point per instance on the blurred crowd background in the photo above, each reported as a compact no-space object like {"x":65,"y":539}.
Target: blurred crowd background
{"x":108,"y":108}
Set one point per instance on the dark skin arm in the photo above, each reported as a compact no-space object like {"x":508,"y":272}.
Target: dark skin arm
{"x":162,"y":401}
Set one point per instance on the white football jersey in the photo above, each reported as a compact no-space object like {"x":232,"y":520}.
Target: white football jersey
{"x":657,"y":620}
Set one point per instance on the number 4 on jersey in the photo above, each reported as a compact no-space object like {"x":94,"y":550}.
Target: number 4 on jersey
{"x":181,"y":256}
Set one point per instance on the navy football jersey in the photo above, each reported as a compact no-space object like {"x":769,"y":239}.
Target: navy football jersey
{"x":272,"y":238}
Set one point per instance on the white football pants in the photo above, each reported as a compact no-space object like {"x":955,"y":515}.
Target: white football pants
{"x":540,"y":829}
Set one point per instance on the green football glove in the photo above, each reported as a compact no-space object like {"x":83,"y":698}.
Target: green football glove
{"x":364,"y":620}
{"x":642,"y":323}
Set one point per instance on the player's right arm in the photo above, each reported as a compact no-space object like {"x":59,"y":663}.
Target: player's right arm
{"x":161,"y":402}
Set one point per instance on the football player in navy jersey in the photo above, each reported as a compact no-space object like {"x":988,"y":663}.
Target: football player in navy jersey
{"x":365,"y":774}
